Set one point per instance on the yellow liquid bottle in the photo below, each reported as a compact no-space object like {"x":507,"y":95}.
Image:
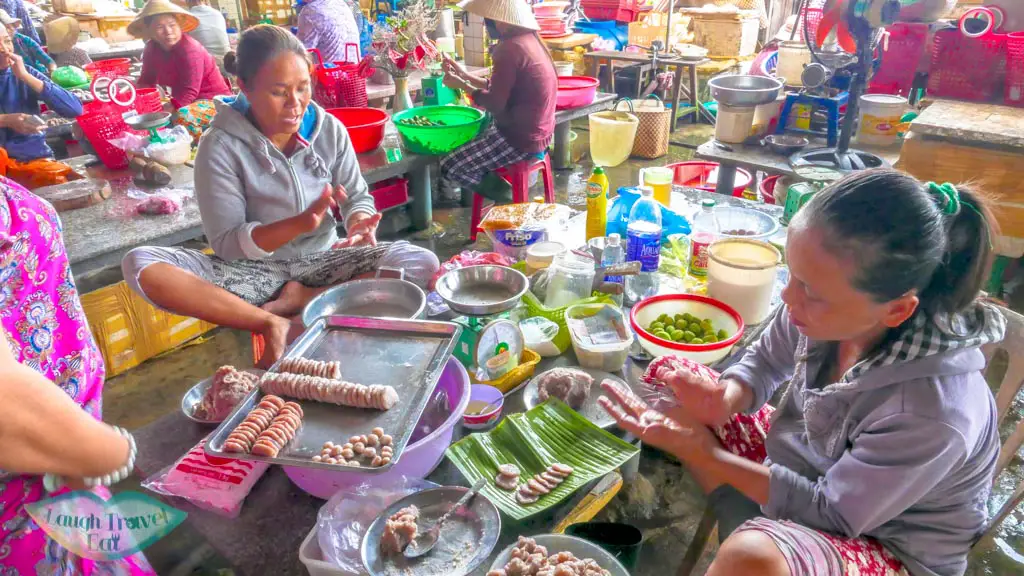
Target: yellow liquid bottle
{"x":597,"y":203}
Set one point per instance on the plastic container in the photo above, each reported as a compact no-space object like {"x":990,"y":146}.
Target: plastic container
{"x":704,"y":176}
{"x":390,"y":193}
{"x":365,"y":126}
{"x":793,"y":56}
{"x":539,"y":335}
{"x":570,"y":279}
{"x":461,"y":124}
{"x":659,"y":179}
{"x":597,"y":203}
{"x":540,"y":255}
{"x":741,"y":274}
{"x":611,"y":137}
{"x":599,"y":335}
{"x":767,"y":188}
{"x":419,"y":458}
{"x":147,"y":101}
{"x":733,"y":124}
{"x":548,"y":9}
{"x":615,"y":10}
{"x":575,"y":91}
{"x":99,"y":128}
{"x":721,"y":315}
{"x":879,"y":115}
{"x":605,"y":29}
{"x":487,"y":395}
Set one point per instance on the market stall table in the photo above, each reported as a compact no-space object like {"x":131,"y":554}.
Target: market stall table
{"x":595,"y":59}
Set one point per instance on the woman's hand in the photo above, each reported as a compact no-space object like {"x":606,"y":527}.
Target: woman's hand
{"x":457,"y":83}
{"x":702,"y":398}
{"x":451,"y":67}
{"x":313,"y":216}
{"x":690,"y":443}
{"x":361,"y":229}
{"x":22,"y":123}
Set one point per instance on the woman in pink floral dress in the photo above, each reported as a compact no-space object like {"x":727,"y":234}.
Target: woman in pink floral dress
{"x":52,"y":388}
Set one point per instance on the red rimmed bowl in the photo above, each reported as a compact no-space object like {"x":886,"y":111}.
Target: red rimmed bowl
{"x":365,"y":126}
{"x":482,"y":393}
{"x":575,"y":91}
{"x":722,"y":316}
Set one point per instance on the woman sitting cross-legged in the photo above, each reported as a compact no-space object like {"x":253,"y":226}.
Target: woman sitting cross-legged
{"x":275,"y":175}
{"x":880,"y":456}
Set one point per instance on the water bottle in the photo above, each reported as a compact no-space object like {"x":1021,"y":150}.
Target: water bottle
{"x":644,"y":245}
{"x":614,"y":254}
{"x":705,"y":231}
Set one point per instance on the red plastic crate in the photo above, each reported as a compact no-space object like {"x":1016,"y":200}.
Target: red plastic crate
{"x":390,"y":193}
{"x":899,"y":63}
{"x":967,"y":68}
{"x":1014,"y":92}
{"x":617,"y":10}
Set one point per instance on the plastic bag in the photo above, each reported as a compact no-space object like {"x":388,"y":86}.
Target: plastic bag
{"x":513,"y":228}
{"x":219,"y":485}
{"x":471,"y":258}
{"x":342,"y":522}
{"x":652,"y":388}
{"x":618,"y":215}
{"x":164,"y":201}
{"x":167,"y":152}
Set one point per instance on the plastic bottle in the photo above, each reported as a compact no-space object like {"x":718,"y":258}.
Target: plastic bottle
{"x":705,"y":231}
{"x":614,"y":254}
{"x":644,"y":236}
{"x":597,"y":203}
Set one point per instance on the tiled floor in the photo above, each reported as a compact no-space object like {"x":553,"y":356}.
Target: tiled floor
{"x":667,"y":516}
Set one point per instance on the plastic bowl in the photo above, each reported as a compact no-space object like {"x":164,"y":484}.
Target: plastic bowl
{"x":736,"y":222}
{"x":575,"y":91}
{"x":461,"y":124}
{"x":721,"y":315}
{"x":365,"y":126}
{"x":488,"y":394}
{"x":549,"y":9}
{"x":704,"y":176}
{"x":419,"y":458}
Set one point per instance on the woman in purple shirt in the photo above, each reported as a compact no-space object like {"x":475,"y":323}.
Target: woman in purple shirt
{"x":880,"y":456}
{"x":328,"y":26}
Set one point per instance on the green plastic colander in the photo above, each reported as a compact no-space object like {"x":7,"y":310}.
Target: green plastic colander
{"x":461,"y":124}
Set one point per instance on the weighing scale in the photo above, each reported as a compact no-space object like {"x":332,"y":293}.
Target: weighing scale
{"x":435,"y":93}
{"x":152,"y":123}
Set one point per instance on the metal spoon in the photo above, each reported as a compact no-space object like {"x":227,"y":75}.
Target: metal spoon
{"x":426,"y":540}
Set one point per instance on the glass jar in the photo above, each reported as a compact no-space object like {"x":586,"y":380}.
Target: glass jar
{"x":571,"y":278}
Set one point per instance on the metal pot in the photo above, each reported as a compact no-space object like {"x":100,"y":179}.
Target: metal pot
{"x":377,"y":297}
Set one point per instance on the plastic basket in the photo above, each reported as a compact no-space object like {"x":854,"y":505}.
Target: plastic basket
{"x":813,"y":18}
{"x":563,"y":340}
{"x":907,"y":42}
{"x":112,"y":68}
{"x":967,"y":68}
{"x":99,"y":128}
{"x":390,"y":193}
{"x":343,"y":85}
{"x":147,"y":101}
{"x":1014,"y":91}
{"x":616,"y":10}
{"x":461,"y":124}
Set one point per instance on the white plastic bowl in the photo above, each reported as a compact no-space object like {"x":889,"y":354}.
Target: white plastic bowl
{"x":721,"y":315}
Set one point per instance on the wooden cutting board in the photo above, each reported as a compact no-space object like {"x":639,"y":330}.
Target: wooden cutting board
{"x":76,"y":194}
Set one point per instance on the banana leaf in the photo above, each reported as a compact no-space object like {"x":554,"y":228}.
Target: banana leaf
{"x":549,"y":433}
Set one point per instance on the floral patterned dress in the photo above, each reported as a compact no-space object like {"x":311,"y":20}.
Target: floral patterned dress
{"x":45,"y":327}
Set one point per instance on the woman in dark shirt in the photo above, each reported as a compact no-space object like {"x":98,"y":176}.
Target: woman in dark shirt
{"x":520,"y":96}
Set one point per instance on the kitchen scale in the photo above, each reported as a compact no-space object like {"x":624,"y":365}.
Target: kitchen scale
{"x":151,"y":123}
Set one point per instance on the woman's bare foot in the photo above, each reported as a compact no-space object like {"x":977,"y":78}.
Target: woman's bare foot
{"x":293,"y":298}
{"x":275,"y":340}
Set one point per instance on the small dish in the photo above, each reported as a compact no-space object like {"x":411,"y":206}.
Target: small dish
{"x":482,"y":393}
{"x":786,"y":144}
{"x":195,"y":394}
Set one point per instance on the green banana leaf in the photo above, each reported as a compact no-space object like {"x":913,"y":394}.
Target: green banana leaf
{"x":549,"y":433}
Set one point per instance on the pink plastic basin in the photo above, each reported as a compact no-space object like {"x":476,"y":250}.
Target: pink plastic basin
{"x":704,"y":176}
{"x":575,"y":91}
{"x":417,"y":461}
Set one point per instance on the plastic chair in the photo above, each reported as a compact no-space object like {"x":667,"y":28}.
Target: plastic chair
{"x":518,"y":176}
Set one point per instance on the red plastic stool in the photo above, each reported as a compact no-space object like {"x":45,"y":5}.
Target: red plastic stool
{"x":518,"y":176}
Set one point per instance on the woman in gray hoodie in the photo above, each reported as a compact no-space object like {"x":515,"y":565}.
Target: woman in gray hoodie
{"x":275,"y":175}
{"x":881,"y":453}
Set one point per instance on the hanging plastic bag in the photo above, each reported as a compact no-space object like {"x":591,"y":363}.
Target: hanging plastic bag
{"x":342,"y":522}
{"x":618,"y":215}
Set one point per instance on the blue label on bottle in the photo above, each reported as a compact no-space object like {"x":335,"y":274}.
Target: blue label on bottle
{"x":644,"y":247}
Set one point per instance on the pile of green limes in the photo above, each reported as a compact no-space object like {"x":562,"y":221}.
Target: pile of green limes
{"x":686,"y":328}
{"x":417,"y":120}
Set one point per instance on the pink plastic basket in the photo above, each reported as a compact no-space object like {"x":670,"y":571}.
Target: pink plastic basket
{"x":99,"y":128}
{"x":1014,"y":92}
{"x":343,"y":85}
{"x":575,"y":91}
{"x":899,"y":63}
{"x":112,"y":68}
{"x":967,"y":68}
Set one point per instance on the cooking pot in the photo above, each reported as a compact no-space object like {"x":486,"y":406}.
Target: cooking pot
{"x":377,"y":297}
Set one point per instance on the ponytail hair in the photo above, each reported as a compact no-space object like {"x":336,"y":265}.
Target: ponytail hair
{"x":906,"y":236}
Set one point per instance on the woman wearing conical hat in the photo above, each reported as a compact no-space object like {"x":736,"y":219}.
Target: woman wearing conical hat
{"x":520,"y":95}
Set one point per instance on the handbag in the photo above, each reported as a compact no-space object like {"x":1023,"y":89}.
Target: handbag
{"x":652,"y":134}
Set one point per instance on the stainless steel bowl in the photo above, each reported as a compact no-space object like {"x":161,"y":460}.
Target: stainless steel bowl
{"x":744,"y":90}
{"x":375,"y":297}
{"x":482,"y":290}
{"x":786,"y":144}
{"x":195,"y":394}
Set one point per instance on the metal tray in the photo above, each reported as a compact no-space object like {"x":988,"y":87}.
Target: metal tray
{"x":406,"y":354}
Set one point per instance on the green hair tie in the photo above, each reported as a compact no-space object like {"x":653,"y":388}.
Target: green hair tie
{"x":949,"y":198}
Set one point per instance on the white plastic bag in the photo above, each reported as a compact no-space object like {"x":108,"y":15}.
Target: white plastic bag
{"x":342,"y":522}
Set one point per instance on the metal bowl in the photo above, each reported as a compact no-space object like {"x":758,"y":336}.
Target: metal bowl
{"x":786,"y":144}
{"x":744,"y":90}
{"x":561,"y":543}
{"x":482,"y":290}
{"x":374,"y":297}
{"x":195,"y":394}
{"x":147,"y":121}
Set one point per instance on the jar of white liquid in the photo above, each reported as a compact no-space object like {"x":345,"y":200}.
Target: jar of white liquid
{"x":741,"y":273}
{"x":571,"y":278}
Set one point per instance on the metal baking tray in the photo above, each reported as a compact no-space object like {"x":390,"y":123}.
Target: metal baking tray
{"x":406,"y":354}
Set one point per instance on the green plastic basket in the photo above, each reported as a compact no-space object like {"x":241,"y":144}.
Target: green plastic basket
{"x":461,"y":124}
{"x":535,"y":307}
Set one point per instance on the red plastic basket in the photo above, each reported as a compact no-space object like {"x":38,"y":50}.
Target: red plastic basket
{"x":99,"y":128}
{"x":1014,"y":92}
{"x":108,"y":68}
{"x":899,"y":63}
{"x":390,"y":193}
{"x":147,"y":101}
{"x":967,"y":68}
{"x":813,"y":17}
{"x":343,"y":86}
{"x":617,"y":10}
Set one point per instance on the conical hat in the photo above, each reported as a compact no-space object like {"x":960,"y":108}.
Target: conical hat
{"x":138,"y":27}
{"x":61,"y":34}
{"x":514,"y":12}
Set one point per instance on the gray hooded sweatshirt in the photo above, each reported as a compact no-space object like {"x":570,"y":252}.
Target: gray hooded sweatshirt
{"x":903,"y":449}
{"x":243,"y":181}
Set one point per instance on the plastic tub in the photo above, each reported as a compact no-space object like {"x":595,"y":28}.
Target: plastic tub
{"x":793,"y":56}
{"x":575,"y":91}
{"x":611,"y":137}
{"x":721,"y":315}
{"x":365,"y":126}
{"x":419,"y":459}
{"x":704,"y":175}
{"x":488,"y":395}
{"x":540,"y":255}
{"x":549,"y":9}
{"x":461,"y":124}
{"x":879,"y":115}
{"x":741,"y":274}
{"x":599,"y":345}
